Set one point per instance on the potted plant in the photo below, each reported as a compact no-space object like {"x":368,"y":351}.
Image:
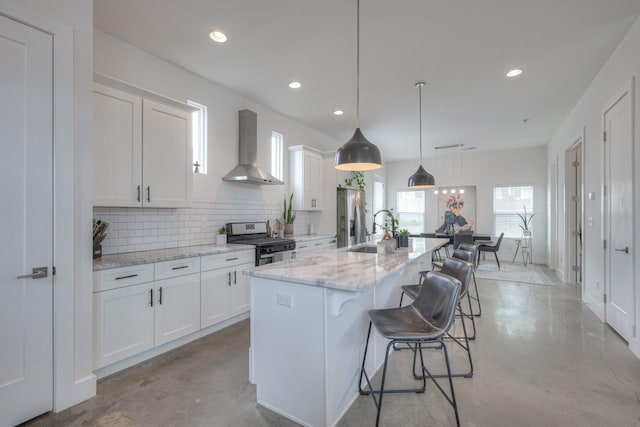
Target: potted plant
{"x":221,"y":237}
{"x":526,"y":227}
{"x":289,"y":216}
{"x":403,"y":238}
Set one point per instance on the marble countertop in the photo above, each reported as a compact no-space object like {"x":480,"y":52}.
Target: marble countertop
{"x":146,"y":257}
{"x":343,"y":269}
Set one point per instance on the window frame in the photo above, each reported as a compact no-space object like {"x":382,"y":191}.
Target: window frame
{"x":199,"y":119}
{"x":422,"y":213}
{"x":513,"y":213}
{"x":277,"y":155}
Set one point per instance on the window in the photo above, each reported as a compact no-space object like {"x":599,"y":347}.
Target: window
{"x":199,"y":137}
{"x":277,"y":142}
{"x":508,"y":202}
{"x":411,"y":211}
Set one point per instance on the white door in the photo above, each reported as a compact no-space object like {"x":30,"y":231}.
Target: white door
{"x":618,"y":146}
{"x":215,"y":296}
{"x":26,"y":168}
{"x":241,"y":289}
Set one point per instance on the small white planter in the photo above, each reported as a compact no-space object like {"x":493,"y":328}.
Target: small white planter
{"x":221,"y":239}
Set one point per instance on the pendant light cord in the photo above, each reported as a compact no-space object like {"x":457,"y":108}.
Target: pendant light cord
{"x":420,"y":109}
{"x":358,"y":64}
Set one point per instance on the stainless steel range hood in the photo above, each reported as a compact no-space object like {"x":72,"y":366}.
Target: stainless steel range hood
{"x":247,"y":170}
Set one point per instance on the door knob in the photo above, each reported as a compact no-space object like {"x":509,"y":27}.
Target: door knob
{"x":36,"y":273}
{"x":625,"y":250}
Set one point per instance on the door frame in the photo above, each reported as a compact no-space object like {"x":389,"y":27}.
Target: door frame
{"x":72,"y":306}
{"x":570,"y":180}
{"x":628,"y":90}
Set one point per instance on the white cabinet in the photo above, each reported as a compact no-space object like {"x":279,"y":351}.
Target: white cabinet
{"x":133,"y":313}
{"x":310,"y":245}
{"x":305,"y":177}
{"x":224,"y":289}
{"x":142,"y":150}
{"x":177,"y":312}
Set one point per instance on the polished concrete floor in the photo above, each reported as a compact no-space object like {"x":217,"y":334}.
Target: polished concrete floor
{"x":541,"y":359}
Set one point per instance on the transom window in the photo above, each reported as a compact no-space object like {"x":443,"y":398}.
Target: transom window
{"x":199,"y":137}
{"x":277,"y":143}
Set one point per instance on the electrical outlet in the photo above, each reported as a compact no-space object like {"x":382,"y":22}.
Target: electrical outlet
{"x":284,"y":300}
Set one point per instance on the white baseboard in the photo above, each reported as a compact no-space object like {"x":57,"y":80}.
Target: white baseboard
{"x":156,"y":351}
{"x":82,"y":390}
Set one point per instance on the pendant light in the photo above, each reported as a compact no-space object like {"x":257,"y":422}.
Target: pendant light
{"x":422,"y":178}
{"x":358,"y":154}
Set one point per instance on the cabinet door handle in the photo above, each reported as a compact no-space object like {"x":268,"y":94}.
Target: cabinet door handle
{"x":160,"y":301}
{"x":138,"y":193}
{"x":235,"y":277}
{"x":126,"y":277}
{"x":229,"y":281}
{"x":149,"y":194}
{"x":180,"y":268}
{"x":151,"y":300}
{"x":318,"y":244}
{"x":232,"y":259}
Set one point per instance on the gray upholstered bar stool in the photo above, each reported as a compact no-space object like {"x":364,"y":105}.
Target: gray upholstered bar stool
{"x":460,"y":270}
{"x":470,"y":247}
{"x":425,"y":322}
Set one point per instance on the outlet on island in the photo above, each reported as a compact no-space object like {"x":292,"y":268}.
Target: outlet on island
{"x":285,"y":300}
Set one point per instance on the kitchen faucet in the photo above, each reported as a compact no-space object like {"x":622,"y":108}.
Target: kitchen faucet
{"x":389,"y":213}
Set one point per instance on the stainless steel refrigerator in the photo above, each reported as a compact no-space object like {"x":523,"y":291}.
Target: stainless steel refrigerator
{"x":350,"y":218}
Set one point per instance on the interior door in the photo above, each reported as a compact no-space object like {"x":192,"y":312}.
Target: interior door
{"x":26,"y":168}
{"x":618,"y":147}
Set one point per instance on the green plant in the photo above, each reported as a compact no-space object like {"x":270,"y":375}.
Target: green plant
{"x":390,"y":222}
{"x":403,"y":232}
{"x":289,"y":215}
{"x":222,"y":230}
{"x":358,"y":177}
{"x":526,"y":219}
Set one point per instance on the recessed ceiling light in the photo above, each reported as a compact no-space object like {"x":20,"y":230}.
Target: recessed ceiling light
{"x":338,"y":112}
{"x":514,"y":73}
{"x":218,"y":36}
{"x":295,"y":85}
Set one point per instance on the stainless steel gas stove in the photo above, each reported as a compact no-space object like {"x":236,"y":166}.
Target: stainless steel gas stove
{"x":268,"y":249}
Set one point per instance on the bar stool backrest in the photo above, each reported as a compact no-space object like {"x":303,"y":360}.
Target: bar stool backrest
{"x":462,"y":237}
{"x":470,"y":248}
{"x":461,"y":270}
{"x":463,"y":254}
{"x":438,"y":298}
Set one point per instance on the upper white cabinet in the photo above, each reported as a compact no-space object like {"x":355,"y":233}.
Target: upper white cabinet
{"x":305,"y":178}
{"x":142,"y":150}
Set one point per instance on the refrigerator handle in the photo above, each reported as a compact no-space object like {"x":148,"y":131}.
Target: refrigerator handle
{"x":358,"y":223}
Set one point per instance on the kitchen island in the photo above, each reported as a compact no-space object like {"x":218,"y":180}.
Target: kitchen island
{"x":309,"y":323}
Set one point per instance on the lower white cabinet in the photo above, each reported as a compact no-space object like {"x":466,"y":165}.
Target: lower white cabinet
{"x":143,"y":306}
{"x":225,"y":291}
{"x":177,"y":312}
{"x":123,"y":323}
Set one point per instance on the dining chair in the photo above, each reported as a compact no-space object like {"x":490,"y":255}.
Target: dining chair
{"x":424,"y":322}
{"x":491,"y":248}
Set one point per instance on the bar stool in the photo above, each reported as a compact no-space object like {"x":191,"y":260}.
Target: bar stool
{"x":424,"y":322}
{"x":460,"y":270}
{"x":474,"y":251}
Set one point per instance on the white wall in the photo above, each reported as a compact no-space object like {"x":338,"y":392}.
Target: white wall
{"x":623,"y":64}
{"x":71,"y":22}
{"x":485,"y":170}
{"x":216,"y":201}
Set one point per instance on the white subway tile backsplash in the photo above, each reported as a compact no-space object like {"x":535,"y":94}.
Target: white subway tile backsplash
{"x":138,"y":229}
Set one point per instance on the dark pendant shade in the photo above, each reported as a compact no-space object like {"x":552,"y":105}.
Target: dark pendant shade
{"x":421,"y":179}
{"x":358,"y":154}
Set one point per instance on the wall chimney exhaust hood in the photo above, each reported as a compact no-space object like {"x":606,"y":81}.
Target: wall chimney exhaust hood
{"x":247,"y":170}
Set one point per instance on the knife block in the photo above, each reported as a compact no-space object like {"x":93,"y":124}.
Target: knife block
{"x":97,"y":250}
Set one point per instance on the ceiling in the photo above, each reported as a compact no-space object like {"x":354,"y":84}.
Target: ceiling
{"x":460,"y":48}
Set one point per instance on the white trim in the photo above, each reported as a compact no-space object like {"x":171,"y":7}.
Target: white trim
{"x":68,"y":299}
{"x":568,"y":270}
